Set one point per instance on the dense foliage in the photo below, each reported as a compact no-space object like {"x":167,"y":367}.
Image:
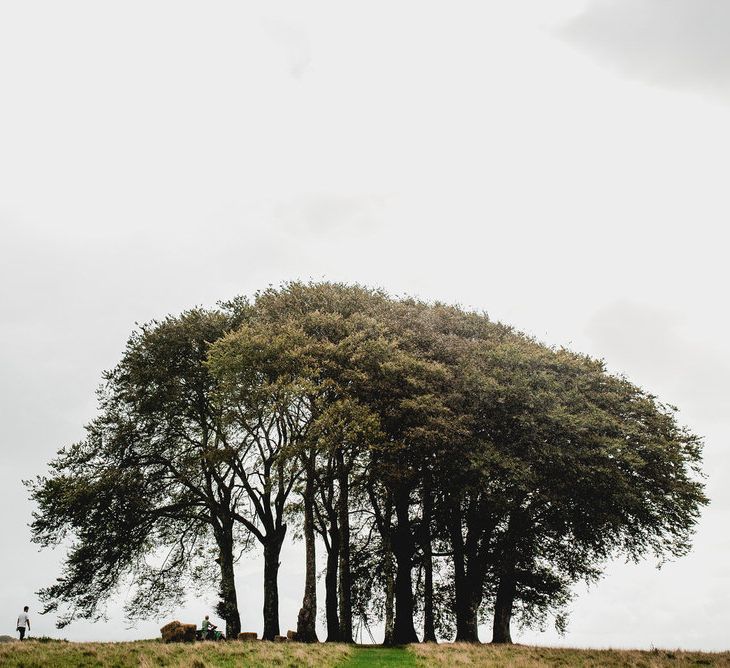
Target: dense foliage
{"x":452,"y":468}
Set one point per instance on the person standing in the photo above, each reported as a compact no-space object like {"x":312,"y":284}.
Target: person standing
{"x":23,"y":621}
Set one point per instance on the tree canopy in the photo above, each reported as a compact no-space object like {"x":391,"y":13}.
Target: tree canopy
{"x":454,"y":470}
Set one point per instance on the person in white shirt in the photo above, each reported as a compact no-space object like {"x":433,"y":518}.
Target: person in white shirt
{"x":23,"y":621}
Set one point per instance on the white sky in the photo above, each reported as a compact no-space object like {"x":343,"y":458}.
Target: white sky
{"x":561,"y":165}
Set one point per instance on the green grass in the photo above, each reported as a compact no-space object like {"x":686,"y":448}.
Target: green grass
{"x":156,"y":654}
{"x":377,"y":657}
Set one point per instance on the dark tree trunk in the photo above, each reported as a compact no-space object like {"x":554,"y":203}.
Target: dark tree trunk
{"x":470,"y":624}
{"x":403,"y":628}
{"x":389,"y":599}
{"x":507,"y":587}
{"x":404,"y":631}
{"x":503,"y":607}
{"x":465,"y":605}
{"x":468,"y":598}
{"x":307,"y":618}
{"x":227,"y":607}
{"x":429,"y":630}
{"x":343,"y":514}
{"x":388,"y":571}
{"x":330,"y":583}
{"x":328,"y":527}
{"x":272,"y":549}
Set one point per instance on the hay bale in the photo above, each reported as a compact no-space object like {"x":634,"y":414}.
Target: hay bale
{"x":279,"y":638}
{"x":168,"y":631}
{"x":177,"y":632}
{"x":248,"y":635}
{"x":291,"y":635}
{"x":169,"y":626}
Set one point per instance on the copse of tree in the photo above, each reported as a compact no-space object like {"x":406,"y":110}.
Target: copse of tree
{"x":451,"y":467}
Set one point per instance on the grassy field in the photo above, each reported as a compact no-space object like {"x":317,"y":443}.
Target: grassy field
{"x":150,"y":653}
{"x":523,"y":656}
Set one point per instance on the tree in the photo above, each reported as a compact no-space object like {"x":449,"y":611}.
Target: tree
{"x":633,"y":487}
{"x":340,"y":331}
{"x":267,"y":411}
{"x":439,"y":337}
{"x":453,"y":467}
{"x":558,"y":478}
{"x":147,"y":488}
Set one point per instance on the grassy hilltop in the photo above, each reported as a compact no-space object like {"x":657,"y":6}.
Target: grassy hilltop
{"x":148,"y":654}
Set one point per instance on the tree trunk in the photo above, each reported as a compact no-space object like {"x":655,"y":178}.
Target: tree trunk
{"x":429,"y":630}
{"x":388,"y":572}
{"x":330,"y":583}
{"x":306,"y":631}
{"x":404,"y":631}
{"x":272,"y":549}
{"x":329,"y":529}
{"x":470,"y":623}
{"x":467,"y":607}
{"x":503,"y":604}
{"x":343,"y":512}
{"x":507,"y":587}
{"x":464,"y":605}
{"x":227,"y":607}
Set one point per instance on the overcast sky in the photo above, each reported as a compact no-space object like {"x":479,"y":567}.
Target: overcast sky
{"x":562,"y":165}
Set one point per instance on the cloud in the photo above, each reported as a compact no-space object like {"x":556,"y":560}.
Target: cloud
{"x":673,"y":43}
